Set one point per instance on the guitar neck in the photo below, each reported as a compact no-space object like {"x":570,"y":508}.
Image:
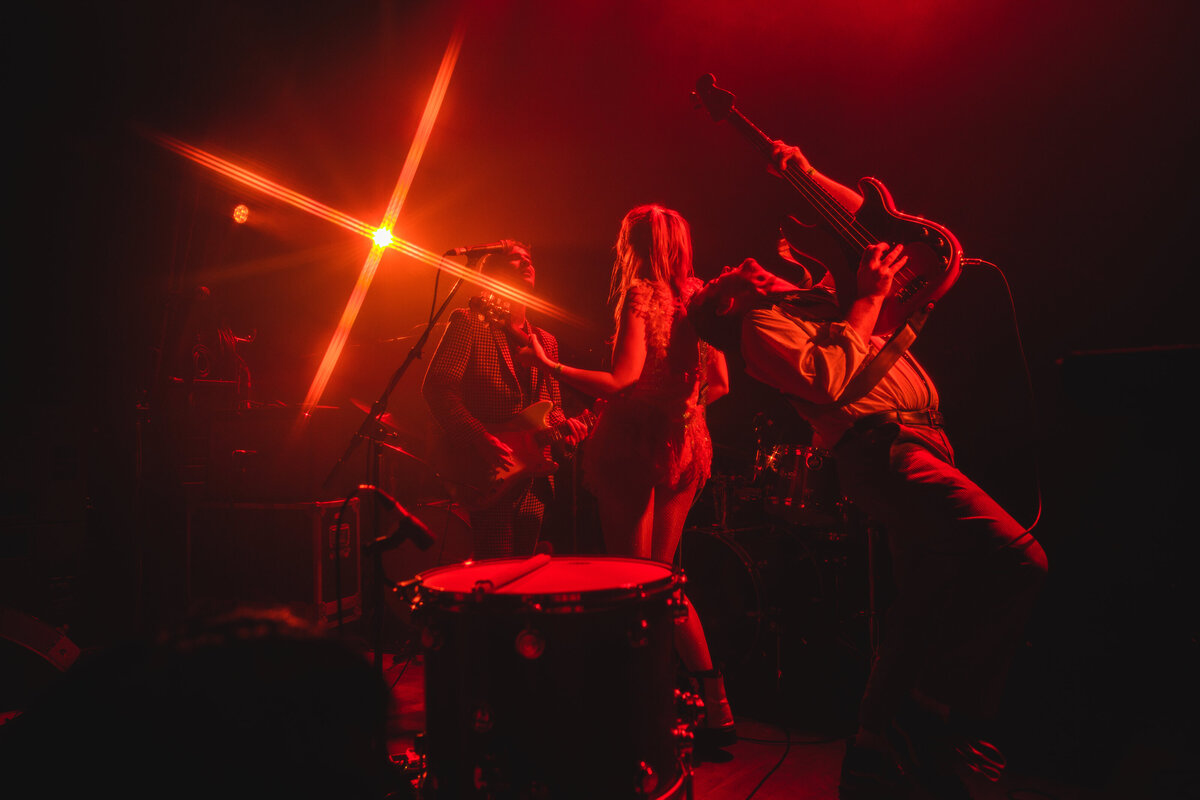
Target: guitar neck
{"x":556,"y":433}
{"x":839,"y":221}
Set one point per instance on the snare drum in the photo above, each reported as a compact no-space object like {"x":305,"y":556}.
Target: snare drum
{"x":550,"y":677}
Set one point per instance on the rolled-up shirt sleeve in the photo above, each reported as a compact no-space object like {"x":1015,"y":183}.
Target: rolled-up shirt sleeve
{"x":811,"y":360}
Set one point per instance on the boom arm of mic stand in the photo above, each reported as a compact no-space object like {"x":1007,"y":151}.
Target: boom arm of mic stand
{"x":372,"y":420}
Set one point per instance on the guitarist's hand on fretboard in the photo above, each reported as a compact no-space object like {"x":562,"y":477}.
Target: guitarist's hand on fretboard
{"x":579,"y":431}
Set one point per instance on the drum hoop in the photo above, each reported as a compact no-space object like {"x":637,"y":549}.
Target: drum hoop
{"x":750,"y":569}
{"x":729,"y":539}
{"x":801,"y":448}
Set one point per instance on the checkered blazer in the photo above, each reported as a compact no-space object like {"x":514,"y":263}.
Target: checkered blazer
{"x":472,"y":380}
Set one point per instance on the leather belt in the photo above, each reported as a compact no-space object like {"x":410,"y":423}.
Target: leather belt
{"x":929,"y":418}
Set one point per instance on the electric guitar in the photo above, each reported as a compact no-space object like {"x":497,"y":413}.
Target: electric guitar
{"x":528,"y":434}
{"x":933,"y":252}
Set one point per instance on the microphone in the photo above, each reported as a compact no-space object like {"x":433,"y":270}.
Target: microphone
{"x":409,"y":528}
{"x":481,"y":249}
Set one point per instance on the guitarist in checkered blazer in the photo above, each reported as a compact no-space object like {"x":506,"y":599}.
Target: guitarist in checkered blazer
{"x":473,"y":384}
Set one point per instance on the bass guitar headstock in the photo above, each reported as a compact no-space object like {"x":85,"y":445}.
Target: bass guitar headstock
{"x":714,"y":99}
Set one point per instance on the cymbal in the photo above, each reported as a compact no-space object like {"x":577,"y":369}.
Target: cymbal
{"x":387,"y":419}
{"x":389,"y":441}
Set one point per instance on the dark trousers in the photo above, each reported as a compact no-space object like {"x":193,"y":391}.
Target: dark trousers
{"x":511,"y":528}
{"x":966,"y":573}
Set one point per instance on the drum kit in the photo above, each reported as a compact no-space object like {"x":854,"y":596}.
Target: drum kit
{"x":555,"y":676}
{"x":779,"y":568}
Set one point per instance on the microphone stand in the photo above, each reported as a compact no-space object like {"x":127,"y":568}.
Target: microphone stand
{"x":369,"y":430}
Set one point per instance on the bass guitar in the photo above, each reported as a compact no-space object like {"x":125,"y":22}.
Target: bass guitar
{"x":934,"y":254}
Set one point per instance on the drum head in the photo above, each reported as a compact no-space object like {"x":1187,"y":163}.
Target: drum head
{"x":559,"y":575}
{"x":578,"y":581}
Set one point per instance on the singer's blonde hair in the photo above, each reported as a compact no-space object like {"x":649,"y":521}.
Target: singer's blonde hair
{"x":654,"y":244}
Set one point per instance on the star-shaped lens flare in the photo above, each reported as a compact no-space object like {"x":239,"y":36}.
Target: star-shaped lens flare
{"x":381,"y":236}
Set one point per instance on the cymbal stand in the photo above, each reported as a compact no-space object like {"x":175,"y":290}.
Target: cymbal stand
{"x":369,"y":430}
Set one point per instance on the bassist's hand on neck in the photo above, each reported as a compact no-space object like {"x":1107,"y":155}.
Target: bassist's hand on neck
{"x":788,"y":161}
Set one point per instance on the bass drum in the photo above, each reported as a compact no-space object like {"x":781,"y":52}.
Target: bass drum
{"x":725,"y":587}
{"x":750,"y":587}
{"x":550,"y":677}
{"x":785,"y":617}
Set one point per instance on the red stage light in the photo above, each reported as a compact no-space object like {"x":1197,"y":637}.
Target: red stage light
{"x":241,"y":213}
{"x":381,"y":236}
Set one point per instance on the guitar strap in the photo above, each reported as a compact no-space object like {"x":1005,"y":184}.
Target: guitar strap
{"x":871,"y":371}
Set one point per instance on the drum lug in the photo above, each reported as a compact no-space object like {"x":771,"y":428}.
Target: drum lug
{"x":481,"y":720}
{"x":678,"y":605}
{"x":639,"y":634}
{"x":685,"y":739}
{"x":647,"y":779}
{"x":431,"y":638}
{"x":688,"y":709}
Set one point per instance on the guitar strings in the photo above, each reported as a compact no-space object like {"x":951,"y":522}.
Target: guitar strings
{"x":835,"y":213}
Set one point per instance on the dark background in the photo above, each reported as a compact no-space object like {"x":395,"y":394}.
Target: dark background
{"x":1055,"y":139}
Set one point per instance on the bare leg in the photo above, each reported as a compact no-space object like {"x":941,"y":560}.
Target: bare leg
{"x":628,"y":523}
{"x":670,"y":513}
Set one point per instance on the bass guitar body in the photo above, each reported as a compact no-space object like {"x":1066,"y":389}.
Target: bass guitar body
{"x":933,"y":253}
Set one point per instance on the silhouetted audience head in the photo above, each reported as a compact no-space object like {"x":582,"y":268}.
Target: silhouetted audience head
{"x":255,"y":703}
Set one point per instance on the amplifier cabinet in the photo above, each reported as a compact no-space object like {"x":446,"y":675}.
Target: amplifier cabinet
{"x":286,"y":554}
